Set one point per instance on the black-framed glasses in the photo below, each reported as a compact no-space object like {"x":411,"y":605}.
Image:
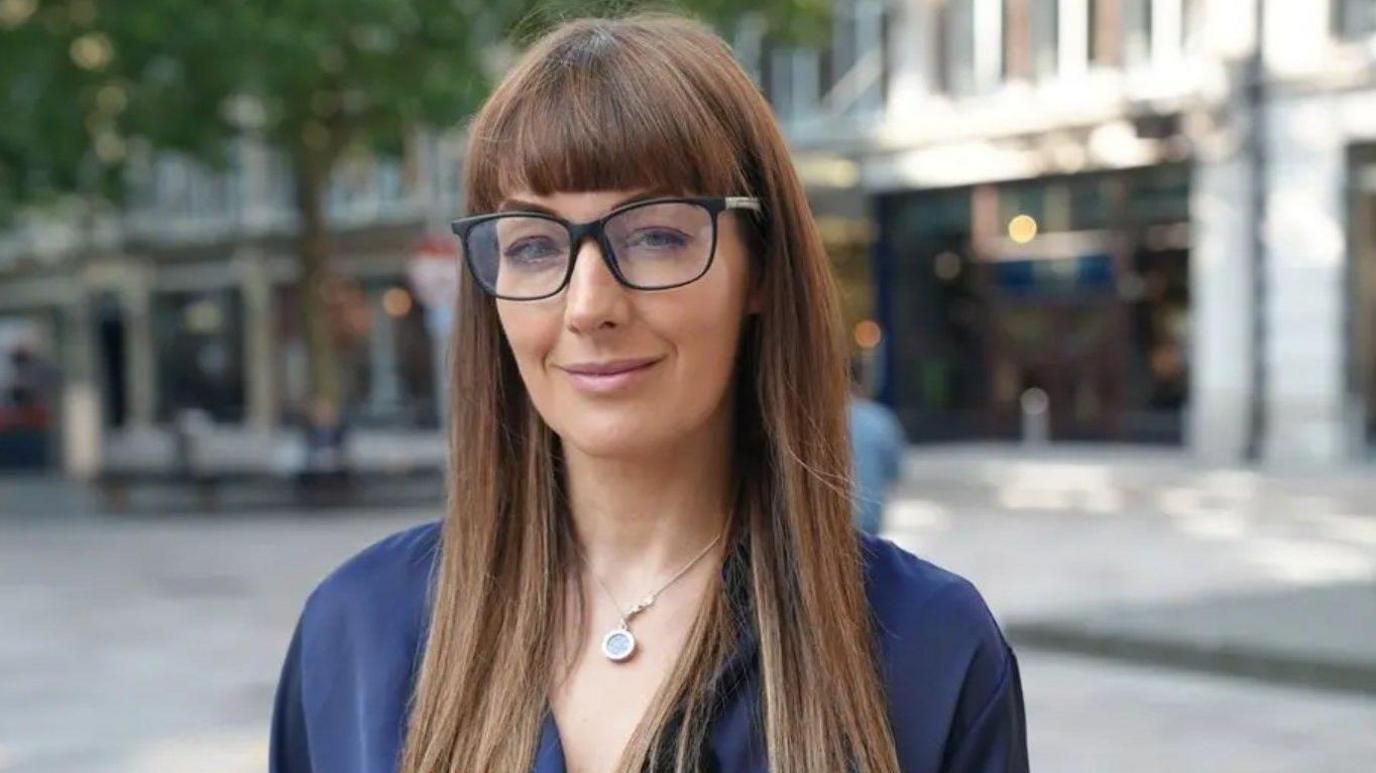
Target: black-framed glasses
{"x":656,"y":244}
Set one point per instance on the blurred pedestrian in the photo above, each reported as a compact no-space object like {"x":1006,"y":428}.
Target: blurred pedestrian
{"x":876,"y":445}
{"x":26,"y":409}
{"x":326,"y":476}
{"x":326,"y":438}
{"x":32,"y":382}
{"x":647,"y":562}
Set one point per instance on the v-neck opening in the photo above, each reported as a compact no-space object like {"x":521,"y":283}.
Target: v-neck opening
{"x":549,"y":754}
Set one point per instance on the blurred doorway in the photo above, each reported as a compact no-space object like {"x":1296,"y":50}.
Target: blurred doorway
{"x":111,"y":340}
{"x":1056,"y":324}
{"x":199,"y":341}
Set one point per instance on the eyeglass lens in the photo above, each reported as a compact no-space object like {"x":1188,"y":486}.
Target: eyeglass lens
{"x":653,"y":246}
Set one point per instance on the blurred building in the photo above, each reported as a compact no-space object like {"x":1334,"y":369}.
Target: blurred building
{"x":1126,"y":204}
{"x":186,"y":301}
{"x":1098,"y":199}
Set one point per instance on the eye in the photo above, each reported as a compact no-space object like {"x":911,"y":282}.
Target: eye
{"x":658,"y":238}
{"x":531,"y":250}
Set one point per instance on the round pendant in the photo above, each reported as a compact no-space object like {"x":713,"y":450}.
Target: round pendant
{"x":618,"y":644}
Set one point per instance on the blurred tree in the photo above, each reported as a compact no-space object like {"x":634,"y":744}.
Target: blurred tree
{"x":82,"y":85}
{"x":93,"y":84}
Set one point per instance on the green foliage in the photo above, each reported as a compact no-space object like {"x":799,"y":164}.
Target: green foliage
{"x":84,"y":85}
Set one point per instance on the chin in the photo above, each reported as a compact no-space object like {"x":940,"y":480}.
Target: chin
{"x":619,"y":436}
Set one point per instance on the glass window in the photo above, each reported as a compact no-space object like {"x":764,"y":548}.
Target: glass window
{"x":747,"y":42}
{"x":956,"y":46}
{"x":389,"y":368}
{"x":1089,"y":196}
{"x":842,"y":54}
{"x":1354,"y":18}
{"x":846,"y":76}
{"x":386,"y":356}
{"x":872,"y":39}
{"x":779,"y":83}
{"x":1097,"y":41}
{"x":1120,"y":32}
{"x":199,"y":339}
{"x":1023,"y":198}
{"x":793,"y":82}
{"x":1135,"y":31}
{"x":1043,"y":27}
{"x":1191,"y":23}
{"x":1159,"y":194}
{"x":853,"y":67}
{"x":1030,"y":38}
{"x":1016,"y":53}
{"x":390,"y":185}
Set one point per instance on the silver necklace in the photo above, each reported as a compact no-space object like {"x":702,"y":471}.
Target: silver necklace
{"x":619,"y":643}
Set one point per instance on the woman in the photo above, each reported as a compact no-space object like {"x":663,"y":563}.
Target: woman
{"x":648,"y":560}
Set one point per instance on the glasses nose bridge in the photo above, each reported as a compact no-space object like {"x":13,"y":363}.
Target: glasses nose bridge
{"x":594,"y":230}
{"x":580,"y":234}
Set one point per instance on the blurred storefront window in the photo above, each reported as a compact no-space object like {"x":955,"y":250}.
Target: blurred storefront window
{"x":392,"y":369}
{"x":387,"y":362}
{"x":1090,"y":305}
{"x":199,"y":341}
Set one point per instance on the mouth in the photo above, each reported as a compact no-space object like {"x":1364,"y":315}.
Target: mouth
{"x":609,"y":376}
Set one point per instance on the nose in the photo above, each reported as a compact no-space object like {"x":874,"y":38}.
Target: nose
{"x":593,"y":298}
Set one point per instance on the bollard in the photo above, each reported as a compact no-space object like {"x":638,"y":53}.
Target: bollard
{"x":1036,"y":416}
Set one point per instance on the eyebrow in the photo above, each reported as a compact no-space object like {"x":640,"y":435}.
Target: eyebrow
{"x":521,"y":205}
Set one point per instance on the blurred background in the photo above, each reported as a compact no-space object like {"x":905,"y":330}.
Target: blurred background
{"x":1110,"y":263}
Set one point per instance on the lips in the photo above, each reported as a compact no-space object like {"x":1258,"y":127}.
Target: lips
{"x":610,"y":368}
{"x":611,"y":376}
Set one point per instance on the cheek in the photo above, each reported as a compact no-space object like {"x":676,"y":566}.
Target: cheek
{"x":531,"y":332}
{"x":704,"y":325}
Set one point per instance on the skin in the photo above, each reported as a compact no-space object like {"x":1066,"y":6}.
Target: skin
{"x":648,"y":465}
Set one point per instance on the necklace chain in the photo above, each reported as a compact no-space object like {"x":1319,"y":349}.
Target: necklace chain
{"x":649,"y":599}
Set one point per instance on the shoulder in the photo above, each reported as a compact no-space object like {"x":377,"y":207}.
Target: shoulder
{"x":351,"y":662}
{"x":905,"y":590}
{"x":387,"y":579}
{"x":942,"y":650}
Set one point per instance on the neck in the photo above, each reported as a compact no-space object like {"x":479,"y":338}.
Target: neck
{"x":641,"y":518}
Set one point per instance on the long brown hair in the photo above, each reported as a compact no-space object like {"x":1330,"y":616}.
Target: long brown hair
{"x":623,"y":104}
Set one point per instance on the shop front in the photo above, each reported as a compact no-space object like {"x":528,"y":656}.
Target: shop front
{"x":1066,"y":298}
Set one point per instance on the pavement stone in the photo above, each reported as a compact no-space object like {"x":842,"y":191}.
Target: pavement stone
{"x":1323,"y":636}
{"x":1095,"y":716}
{"x":140,"y":643}
{"x":1148,"y":555}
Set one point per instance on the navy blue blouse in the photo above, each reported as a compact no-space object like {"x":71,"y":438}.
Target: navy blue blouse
{"x":955,"y":697}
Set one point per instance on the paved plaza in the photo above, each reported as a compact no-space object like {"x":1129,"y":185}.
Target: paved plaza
{"x":152,"y":642}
